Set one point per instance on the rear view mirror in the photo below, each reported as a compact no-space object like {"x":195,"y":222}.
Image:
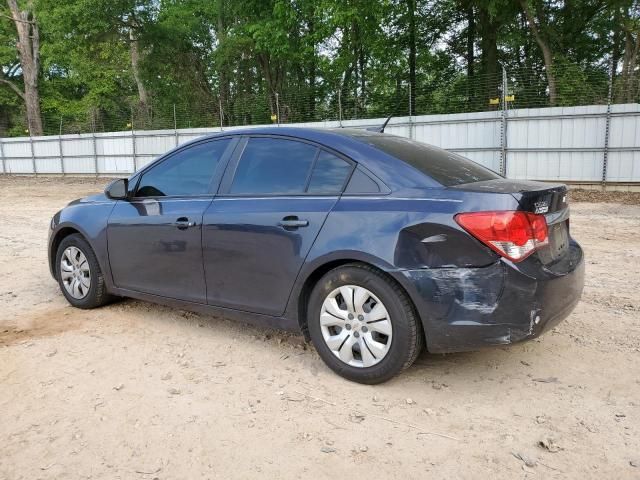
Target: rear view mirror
{"x":118,"y":189}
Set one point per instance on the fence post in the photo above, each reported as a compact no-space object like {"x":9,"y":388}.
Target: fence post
{"x":503,"y":124}
{"x":278,"y":108}
{"x":93,"y":141}
{"x":175,"y":124}
{"x":221,"y":114}
{"x":4,"y":164}
{"x":133,"y":144}
{"x":60,"y":148}
{"x":411,"y":126}
{"x":355,"y":103}
{"x":607,"y":130}
{"x":33,"y":155}
{"x":340,"y":106}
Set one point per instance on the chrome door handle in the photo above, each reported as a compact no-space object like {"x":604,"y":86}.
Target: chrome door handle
{"x":292,"y":222}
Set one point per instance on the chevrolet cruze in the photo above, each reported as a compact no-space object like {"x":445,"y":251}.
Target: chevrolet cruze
{"x":373,"y":245}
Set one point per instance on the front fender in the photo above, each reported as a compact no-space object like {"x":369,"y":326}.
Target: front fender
{"x":88,"y":219}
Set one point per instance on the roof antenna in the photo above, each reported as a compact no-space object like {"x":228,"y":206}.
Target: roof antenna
{"x":381,"y":128}
{"x":384,"y":125}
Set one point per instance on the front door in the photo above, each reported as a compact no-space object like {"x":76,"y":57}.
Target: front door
{"x":258,"y":231}
{"x":155,"y":238}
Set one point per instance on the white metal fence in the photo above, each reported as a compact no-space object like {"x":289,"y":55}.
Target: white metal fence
{"x":590,"y":144}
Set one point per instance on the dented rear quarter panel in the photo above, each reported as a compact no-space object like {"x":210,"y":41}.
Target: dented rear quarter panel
{"x":412,"y":235}
{"x":465,"y":294}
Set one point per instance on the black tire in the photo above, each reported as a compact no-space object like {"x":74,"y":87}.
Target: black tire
{"x":97,"y":294}
{"x":407,"y":339}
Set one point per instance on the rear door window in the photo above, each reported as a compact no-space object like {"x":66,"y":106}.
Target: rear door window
{"x":444,"y":167}
{"x":271,"y":166}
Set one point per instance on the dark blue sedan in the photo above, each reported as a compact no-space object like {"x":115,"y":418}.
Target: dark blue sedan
{"x":371,"y":244}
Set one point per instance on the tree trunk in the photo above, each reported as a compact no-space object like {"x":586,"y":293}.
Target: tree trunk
{"x":471,"y":55}
{"x":313,"y":62}
{"x":4,"y":121}
{"x":411,"y":6}
{"x":29,"y":52}
{"x":363,"y":82}
{"x":344,"y":87}
{"x":356,"y":45}
{"x":489,"y":47}
{"x":471,"y":40}
{"x":273,"y":77}
{"x":543,"y":43}
{"x":631,"y":51}
{"x":134,"y":49}
{"x":615,"y":48}
{"x":221,"y":33}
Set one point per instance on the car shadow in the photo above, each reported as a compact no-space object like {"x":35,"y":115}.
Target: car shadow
{"x":434,"y":369}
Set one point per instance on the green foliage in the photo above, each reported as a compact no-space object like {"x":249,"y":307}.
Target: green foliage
{"x":304,"y":59}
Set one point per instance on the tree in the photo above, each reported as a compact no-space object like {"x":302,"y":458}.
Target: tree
{"x":115,"y":64}
{"x":79,"y":29}
{"x":630,"y":23}
{"x":411,"y":7}
{"x":488,"y":26}
{"x":28,"y":46}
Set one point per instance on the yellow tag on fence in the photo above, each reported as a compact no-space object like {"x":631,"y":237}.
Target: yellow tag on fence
{"x":274,"y":117}
{"x":494,"y":101}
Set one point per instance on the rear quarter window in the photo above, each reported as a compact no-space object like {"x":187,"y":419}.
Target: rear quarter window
{"x":446,"y":168}
{"x":329,"y":174}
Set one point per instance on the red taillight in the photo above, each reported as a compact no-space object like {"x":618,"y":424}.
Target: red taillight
{"x":514,"y":235}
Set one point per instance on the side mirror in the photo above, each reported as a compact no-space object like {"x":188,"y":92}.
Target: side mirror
{"x":118,"y":189}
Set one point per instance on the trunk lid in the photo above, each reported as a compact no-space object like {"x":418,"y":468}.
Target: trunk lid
{"x":549,"y":200}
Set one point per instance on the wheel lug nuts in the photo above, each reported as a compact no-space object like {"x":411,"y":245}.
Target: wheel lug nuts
{"x":365,"y":329}
{"x":350,"y":316}
{"x":348,"y":326}
{"x":360,"y":317}
{"x":356,"y":334}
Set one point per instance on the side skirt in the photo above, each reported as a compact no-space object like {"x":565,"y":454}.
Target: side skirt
{"x":257,"y":319}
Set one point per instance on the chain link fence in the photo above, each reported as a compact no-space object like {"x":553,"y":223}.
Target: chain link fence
{"x":498,"y":120}
{"x":510,"y":89}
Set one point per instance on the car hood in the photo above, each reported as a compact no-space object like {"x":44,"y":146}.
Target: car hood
{"x":95,"y":198}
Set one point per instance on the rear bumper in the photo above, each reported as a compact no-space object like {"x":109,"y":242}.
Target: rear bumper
{"x":469,"y":308}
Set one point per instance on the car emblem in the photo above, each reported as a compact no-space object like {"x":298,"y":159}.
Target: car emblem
{"x":541,"y":207}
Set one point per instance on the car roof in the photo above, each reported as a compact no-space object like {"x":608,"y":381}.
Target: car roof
{"x":305,"y":133}
{"x":350,"y":142}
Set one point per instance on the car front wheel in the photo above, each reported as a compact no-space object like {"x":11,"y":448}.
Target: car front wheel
{"x":363,"y":324}
{"x":79,"y":274}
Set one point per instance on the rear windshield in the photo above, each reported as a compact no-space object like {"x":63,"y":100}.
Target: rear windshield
{"x":444,"y":167}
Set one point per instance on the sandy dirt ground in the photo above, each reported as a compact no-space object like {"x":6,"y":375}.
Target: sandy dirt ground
{"x":138,"y":391}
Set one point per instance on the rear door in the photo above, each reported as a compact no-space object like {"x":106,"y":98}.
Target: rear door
{"x":155,"y":238}
{"x":273,"y":201}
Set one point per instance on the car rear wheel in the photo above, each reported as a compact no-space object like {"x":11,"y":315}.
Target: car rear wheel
{"x":363,"y":324}
{"x":79,"y":274}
